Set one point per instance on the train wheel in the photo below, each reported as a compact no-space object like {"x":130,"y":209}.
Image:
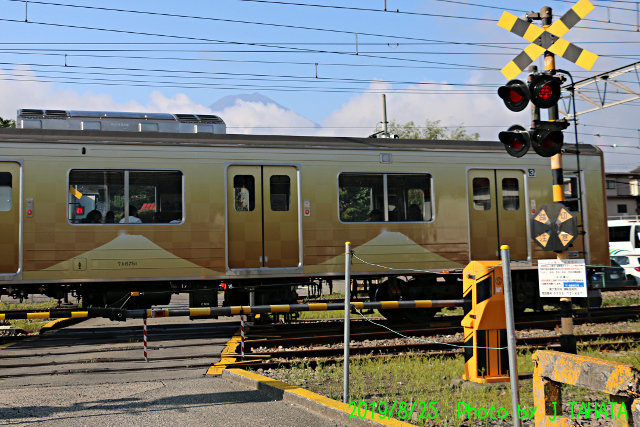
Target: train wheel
{"x":385,"y":293}
{"x":417,"y":315}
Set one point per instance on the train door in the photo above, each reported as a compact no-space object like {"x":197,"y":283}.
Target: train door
{"x":262,"y":216}
{"x":10,"y":244}
{"x":572,"y":201}
{"x":497,"y":213}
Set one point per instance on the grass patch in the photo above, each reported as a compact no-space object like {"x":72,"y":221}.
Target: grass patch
{"x":414,"y":378}
{"x":617,"y":301}
{"x":34,"y":324}
{"x":335,"y":314}
{"x":28,"y":306}
{"x":451,"y":311}
{"x":410,"y":378}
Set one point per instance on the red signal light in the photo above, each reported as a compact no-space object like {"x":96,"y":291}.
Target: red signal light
{"x":516,"y":140}
{"x":545,"y":92}
{"x":79,"y":210}
{"x":515,"y":96}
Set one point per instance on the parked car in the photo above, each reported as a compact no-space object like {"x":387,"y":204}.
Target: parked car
{"x":614,"y":276}
{"x":631,"y":265}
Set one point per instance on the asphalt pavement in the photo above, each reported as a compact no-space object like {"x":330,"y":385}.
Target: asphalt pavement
{"x":93,"y":373}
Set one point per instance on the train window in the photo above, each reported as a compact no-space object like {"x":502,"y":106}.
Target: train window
{"x":5,"y":191}
{"x":92,"y":191}
{"x":510,"y":194}
{"x":362,"y":197}
{"x":409,"y":197}
{"x":280,"y":190}
{"x":481,"y":194}
{"x":571,"y":193}
{"x":244,"y":190}
{"x":98,"y":196}
{"x":156,"y":196}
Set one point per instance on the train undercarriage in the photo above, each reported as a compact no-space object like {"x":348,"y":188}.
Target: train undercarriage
{"x":434,"y":286}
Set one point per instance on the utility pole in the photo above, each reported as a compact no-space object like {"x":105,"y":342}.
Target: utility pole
{"x":553,"y":227}
{"x":385,"y":130}
{"x":567,"y":337}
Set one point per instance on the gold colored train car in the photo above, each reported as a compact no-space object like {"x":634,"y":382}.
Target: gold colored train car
{"x":101,"y":213}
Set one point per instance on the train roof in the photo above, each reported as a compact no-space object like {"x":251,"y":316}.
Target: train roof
{"x":265,"y":141}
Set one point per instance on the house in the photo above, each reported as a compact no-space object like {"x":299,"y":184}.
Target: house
{"x":623,"y":195}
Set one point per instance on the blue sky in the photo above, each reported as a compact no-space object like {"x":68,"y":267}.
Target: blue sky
{"x":118,"y":60}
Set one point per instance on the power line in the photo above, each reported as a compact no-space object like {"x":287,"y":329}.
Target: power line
{"x":362,"y":9}
{"x":218,"y":75}
{"x":283,"y":49}
{"x":171,"y":84}
{"x":232,"y":21}
{"x":418,"y":13}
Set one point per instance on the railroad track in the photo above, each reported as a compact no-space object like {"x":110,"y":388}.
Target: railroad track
{"x":294,"y":343}
{"x":98,"y":346}
{"x":314,"y":356}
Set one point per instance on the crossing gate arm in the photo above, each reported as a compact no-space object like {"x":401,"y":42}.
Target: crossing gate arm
{"x":619,"y":380}
{"x":123,"y":314}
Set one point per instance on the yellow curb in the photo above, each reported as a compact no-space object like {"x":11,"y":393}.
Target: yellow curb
{"x":228,"y":355}
{"x":54,"y":322}
{"x":2,"y":347}
{"x":314,"y":397}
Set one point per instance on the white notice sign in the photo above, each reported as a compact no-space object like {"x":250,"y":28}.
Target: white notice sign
{"x":562,"y":278}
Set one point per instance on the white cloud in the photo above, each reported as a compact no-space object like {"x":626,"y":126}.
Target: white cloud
{"x":20,"y":88}
{"x":357,"y":117}
{"x":451,"y":108}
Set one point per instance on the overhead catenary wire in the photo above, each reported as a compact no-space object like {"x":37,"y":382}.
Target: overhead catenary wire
{"x":280,"y":48}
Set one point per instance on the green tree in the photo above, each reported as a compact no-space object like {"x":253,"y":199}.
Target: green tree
{"x":7,"y":123}
{"x":431,"y":130}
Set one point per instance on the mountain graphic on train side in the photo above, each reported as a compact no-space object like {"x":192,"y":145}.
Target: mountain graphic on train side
{"x":395,"y":248}
{"x":128,"y":255}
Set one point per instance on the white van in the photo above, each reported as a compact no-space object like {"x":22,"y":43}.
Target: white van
{"x":624,"y":245}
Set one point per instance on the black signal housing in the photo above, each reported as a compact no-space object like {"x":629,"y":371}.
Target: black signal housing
{"x":515,"y":95}
{"x":547,"y":138}
{"x":516,"y":140}
{"x":545,"y":90}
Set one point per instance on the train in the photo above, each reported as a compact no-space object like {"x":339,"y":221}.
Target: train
{"x":127,"y":209}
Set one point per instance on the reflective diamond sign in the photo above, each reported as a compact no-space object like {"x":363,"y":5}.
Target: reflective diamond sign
{"x":553,"y":227}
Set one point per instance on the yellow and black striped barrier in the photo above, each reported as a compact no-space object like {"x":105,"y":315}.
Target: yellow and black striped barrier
{"x":123,"y":314}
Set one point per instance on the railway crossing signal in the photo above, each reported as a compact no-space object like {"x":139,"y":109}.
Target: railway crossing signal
{"x":545,"y":90}
{"x":515,"y":95}
{"x":516,"y":140}
{"x":547,"y":39}
{"x":547,"y":138}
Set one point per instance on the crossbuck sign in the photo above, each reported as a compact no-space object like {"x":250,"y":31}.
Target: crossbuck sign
{"x":547,"y":39}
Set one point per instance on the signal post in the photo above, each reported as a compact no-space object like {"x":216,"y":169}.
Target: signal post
{"x":553,"y":227}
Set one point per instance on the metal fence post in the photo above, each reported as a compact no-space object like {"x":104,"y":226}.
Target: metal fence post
{"x":511,"y":333}
{"x":347,"y":314}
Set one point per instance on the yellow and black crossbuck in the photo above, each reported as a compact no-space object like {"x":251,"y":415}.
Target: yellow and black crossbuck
{"x":547,"y":39}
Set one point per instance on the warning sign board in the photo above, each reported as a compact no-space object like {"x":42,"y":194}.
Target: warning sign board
{"x":553,"y":227}
{"x":562,"y":278}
